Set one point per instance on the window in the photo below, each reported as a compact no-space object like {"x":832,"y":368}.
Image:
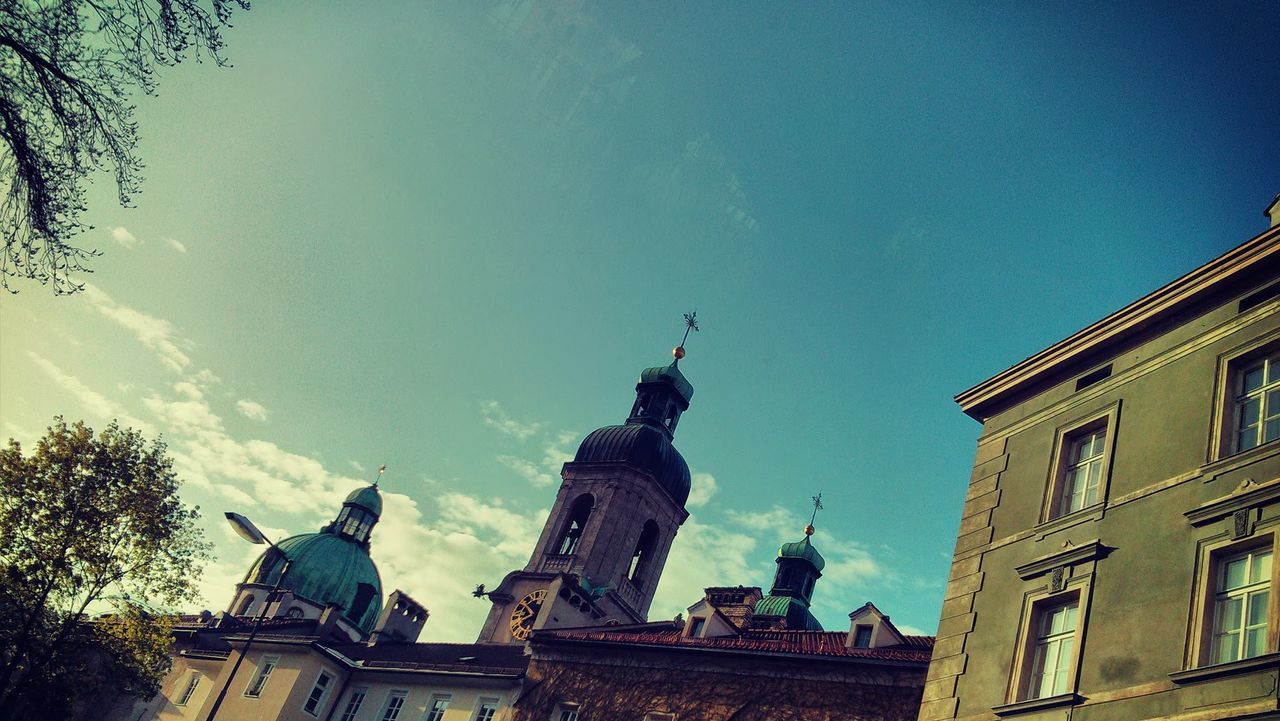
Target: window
{"x":245,"y":605}
{"x":187,"y":690}
{"x":259,"y":682}
{"x":1240,"y":601}
{"x":486,"y":709}
{"x":566,"y":712}
{"x":1256,"y":407}
{"x":436,"y":708}
{"x":319,"y":691}
{"x":659,"y":716}
{"x":395,"y":702}
{"x":1082,"y":476}
{"x":696,"y":625}
{"x":1080,"y":468}
{"x":862,"y":636}
{"x":353,"y":704}
{"x":1054,"y":657}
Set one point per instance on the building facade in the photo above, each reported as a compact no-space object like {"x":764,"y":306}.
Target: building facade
{"x":567,"y":637}
{"x":1116,"y":553}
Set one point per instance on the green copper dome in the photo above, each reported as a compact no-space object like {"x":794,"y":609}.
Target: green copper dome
{"x":803,"y":550}
{"x":327,"y":569}
{"x":796,"y":612}
{"x":368,"y":498}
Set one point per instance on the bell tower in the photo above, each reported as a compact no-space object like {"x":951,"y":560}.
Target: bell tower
{"x":615,"y":516}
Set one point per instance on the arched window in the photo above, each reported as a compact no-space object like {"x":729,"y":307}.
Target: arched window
{"x":245,"y":605}
{"x":640,"y":559}
{"x":579,"y":512}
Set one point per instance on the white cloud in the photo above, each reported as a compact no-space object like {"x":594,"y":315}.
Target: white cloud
{"x":544,"y":471}
{"x":176,"y":245}
{"x":92,"y":401}
{"x":122,"y":236}
{"x":252,"y":410}
{"x":528,"y":470}
{"x":702,"y":488}
{"x":496,"y":417}
{"x":154,"y":333}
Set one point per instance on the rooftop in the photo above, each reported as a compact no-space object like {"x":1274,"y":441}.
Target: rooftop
{"x":915,"y":649}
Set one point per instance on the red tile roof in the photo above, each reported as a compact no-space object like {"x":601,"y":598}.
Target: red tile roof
{"x":916,"y":649}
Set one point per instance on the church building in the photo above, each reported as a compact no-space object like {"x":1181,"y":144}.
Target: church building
{"x":308,"y":636}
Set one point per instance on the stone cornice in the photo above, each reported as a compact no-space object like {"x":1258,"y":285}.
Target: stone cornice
{"x":1070,"y":555}
{"x":1246,"y":495}
{"x":1162,"y":302}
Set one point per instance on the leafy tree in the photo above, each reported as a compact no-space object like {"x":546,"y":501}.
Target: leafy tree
{"x":67,"y":68}
{"x":89,"y":523}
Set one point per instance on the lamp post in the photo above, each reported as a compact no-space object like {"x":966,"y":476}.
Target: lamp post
{"x":249,"y":532}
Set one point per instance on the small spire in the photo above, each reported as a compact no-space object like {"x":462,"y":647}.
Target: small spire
{"x":381,"y":469}
{"x":817,"y":506}
{"x":690,"y":323}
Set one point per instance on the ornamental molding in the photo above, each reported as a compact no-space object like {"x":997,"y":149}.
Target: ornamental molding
{"x":1069,"y":555}
{"x":1245,"y":496}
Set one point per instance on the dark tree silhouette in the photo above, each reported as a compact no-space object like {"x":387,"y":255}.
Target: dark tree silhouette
{"x":67,"y":70}
{"x":89,"y":522}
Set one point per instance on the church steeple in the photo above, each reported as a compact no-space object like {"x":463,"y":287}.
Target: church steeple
{"x":799,"y":568}
{"x":607,"y":537}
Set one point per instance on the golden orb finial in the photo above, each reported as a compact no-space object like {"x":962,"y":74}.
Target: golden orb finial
{"x":678,"y":352}
{"x":808,"y":530}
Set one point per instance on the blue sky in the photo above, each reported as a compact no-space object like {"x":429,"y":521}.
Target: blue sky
{"x":448,"y":238}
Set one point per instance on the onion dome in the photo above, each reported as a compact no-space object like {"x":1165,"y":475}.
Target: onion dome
{"x":644,"y":447}
{"x":803,"y":550}
{"x":799,"y":568}
{"x":332,"y":567}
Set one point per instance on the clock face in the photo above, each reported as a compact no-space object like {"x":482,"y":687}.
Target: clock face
{"x":526,"y":613}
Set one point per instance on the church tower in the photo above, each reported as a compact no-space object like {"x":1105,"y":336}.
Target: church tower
{"x":606,"y":539}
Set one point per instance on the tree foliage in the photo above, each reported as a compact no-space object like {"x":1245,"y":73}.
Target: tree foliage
{"x":89,"y":523}
{"x":67,"y":70}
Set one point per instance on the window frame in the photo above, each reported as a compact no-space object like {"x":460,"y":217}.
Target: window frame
{"x":324,"y":693}
{"x":260,"y":679}
{"x":353,"y":706}
{"x":1060,"y":577}
{"x":1035,"y":606}
{"x":491,"y":702}
{"x":1065,"y":438}
{"x":567,"y":711}
{"x":1213,"y":556}
{"x":392,"y":695}
{"x":189,"y":690}
{"x":432,"y":703}
{"x":1231,"y":367}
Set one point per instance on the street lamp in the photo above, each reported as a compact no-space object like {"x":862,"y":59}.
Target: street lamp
{"x":249,"y":532}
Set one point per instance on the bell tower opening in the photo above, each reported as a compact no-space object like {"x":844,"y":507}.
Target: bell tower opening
{"x":579,"y":513}
{"x":643,"y":555}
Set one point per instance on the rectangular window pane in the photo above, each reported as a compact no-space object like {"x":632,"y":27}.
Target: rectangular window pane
{"x":1261,"y":568}
{"x":1252,"y":380}
{"x":353,"y":706}
{"x":1235,"y":573}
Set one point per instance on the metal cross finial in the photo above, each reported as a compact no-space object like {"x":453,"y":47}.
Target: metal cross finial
{"x":381,"y":469}
{"x":817,"y":506}
{"x":690,"y":323}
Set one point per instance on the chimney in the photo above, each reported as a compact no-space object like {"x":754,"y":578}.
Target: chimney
{"x":401,"y":621}
{"x":1273,"y":211}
